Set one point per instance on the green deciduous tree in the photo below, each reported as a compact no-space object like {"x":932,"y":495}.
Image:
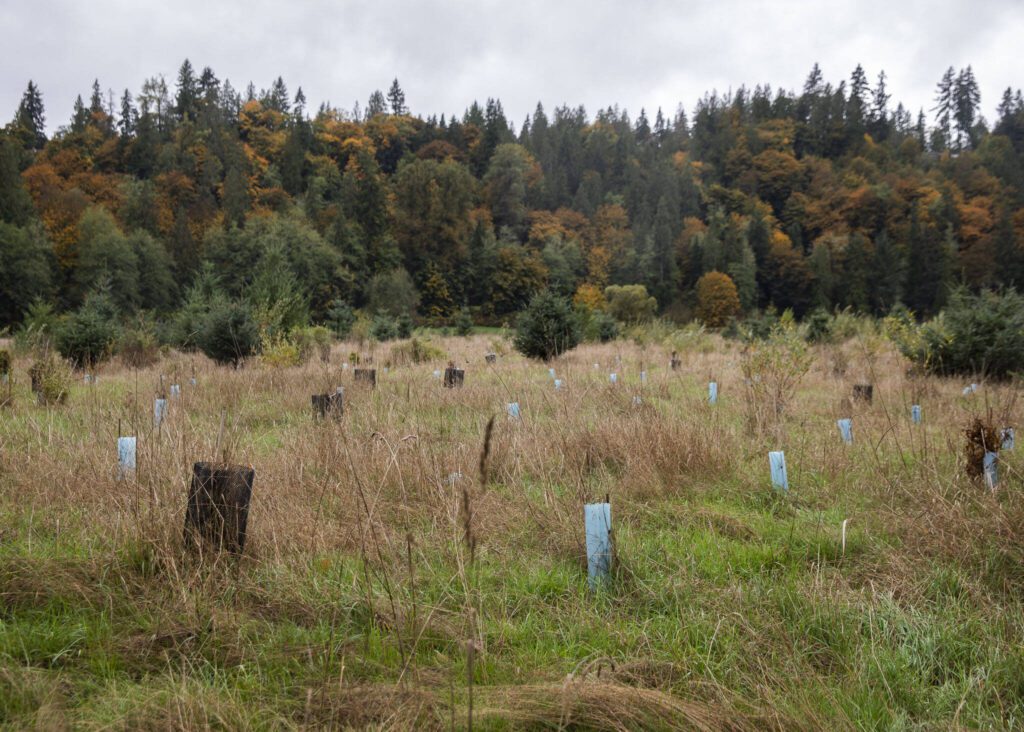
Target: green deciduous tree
{"x":630,"y":303}
{"x":26,"y":270}
{"x":511,"y":172}
{"x":518,"y":275}
{"x":105,"y":257}
{"x":392,"y":292}
{"x":431,"y":219}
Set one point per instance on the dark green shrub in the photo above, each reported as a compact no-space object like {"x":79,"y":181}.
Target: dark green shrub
{"x":547,"y":328}
{"x":757,"y":326}
{"x":228,"y":333}
{"x":403,"y":325}
{"x":384,"y":328}
{"x":976,"y":334}
{"x":88,"y":336}
{"x":204,"y":293}
{"x":340,"y":319}
{"x":38,"y":328}
{"x":819,"y":326}
{"x":463,"y":323}
{"x":5,"y":363}
{"x":605,"y":327}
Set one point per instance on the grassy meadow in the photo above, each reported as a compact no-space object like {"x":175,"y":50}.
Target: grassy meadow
{"x":388,"y":584}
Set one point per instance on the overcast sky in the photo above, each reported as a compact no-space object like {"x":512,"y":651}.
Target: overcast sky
{"x":645,"y":53}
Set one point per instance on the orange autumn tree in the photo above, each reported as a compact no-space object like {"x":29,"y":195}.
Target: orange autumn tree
{"x":589,"y":297}
{"x":717,"y":299}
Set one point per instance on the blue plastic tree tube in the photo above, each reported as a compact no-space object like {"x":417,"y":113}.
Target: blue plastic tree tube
{"x":125,"y":454}
{"x":597,"y":519}
{"x":991,"y":465}
{"x":159,"y":411}
{"x":777,"y":464}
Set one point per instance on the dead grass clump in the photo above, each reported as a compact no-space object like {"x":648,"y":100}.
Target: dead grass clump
{"x":648,"y":456}
{"x":414,"y":351}
{"x":648,"y":674}
{"x":186,"y":704}
{"x":591,"y":451}
{"x":376,"y":706}
{"x":982,"y":437}
{"x":979,"y":533}
{"x":605,"y":705}
{"x":36,"y":583}
{"x":838,"y":361}
{"x":32,"y":699}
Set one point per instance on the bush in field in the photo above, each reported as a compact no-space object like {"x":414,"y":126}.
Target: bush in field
{"x":384,"y":328}
{"x":547,"y":328}
{"x":976,"y":334}
{"x":602,"y":327}
{"x":403,"y":325}
{"x":847,"y":324}
{"x":340,"y":319}
{"x":463,"y":323}
{"x":139,"y":346}
{"x":691,"y":338}
{"x":415,"y":350}
{"x":819,"y":326}
{"x":772,"y":370}
{"x":630,"y":303}
{"x":88,"y":336}
{"x":278,"y":351}
{"x":312,"y":340}
{"x":38,"y":327}
{"x":756,"y":326}
{"x":5,"y":363}
{"x":718,"y":301}
{"x":204,"y":294}
{"x":51,"y":379}
{"x":228,"y":333}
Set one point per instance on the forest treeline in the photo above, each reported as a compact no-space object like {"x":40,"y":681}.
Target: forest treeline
{"x":828,"y":197}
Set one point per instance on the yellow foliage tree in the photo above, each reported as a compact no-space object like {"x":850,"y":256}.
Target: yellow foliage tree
{"x":589,"y":297}
{"x":717,"y":299}
{"x":598,"y":263}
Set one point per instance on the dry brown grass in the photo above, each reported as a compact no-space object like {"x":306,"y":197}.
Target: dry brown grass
{"x":360,"y":521}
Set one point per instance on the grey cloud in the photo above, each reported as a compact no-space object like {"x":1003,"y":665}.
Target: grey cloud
{"x":637,"y":54}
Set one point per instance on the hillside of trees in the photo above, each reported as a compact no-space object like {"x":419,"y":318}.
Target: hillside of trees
{"x":829,"y":197}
